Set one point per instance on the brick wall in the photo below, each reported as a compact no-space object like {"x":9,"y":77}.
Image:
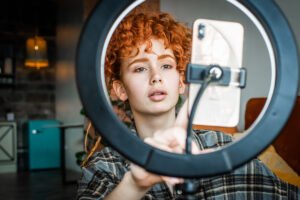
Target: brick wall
{"x":33,"y":95}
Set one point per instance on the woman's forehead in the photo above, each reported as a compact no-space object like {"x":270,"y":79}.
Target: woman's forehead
{"x":154,"y":46}
{"x":151,"y":49}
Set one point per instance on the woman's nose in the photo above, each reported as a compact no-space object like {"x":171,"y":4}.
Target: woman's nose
{"x":156,"y":78}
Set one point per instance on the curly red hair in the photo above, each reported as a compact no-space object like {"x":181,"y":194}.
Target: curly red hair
{"x":133,"y":31}
{"x":137,"y":29}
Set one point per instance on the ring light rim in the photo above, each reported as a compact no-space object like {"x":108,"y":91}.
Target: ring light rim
{"x":152,"y":159}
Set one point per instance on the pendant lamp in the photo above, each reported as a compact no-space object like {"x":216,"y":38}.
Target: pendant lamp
{"x":36,"y":50}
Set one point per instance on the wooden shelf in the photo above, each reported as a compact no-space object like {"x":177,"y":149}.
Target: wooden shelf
{"x":7,"y":65}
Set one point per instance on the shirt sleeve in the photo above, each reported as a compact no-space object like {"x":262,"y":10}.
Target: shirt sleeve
{"x":253,"y":180}
{"x":95,"y":184}
{"x":280,"y":188}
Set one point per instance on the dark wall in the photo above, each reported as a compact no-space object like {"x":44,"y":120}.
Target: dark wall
{"x":32,"y":96}
{"x":28,"y":17}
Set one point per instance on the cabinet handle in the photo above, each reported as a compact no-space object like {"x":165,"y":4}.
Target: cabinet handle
{"x":36,"y":131}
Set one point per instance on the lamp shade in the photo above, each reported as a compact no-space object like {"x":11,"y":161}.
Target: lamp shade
{"x":36,"y":50}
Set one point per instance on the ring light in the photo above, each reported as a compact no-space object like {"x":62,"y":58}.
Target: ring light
{"x":92,"y":89}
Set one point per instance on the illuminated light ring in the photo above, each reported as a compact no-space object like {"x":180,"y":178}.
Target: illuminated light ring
{"x":91,"y":84}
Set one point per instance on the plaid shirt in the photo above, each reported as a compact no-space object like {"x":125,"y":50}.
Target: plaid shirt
{"x":251,"y":181}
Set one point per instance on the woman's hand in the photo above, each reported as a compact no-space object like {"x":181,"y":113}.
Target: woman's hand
{"x":145,"y":179}
{"x":174,"y":138}
{"x":171,"y":140}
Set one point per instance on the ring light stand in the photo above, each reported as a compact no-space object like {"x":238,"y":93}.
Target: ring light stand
{"x":92,"y":89}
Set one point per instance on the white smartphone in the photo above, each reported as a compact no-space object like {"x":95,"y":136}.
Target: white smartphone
{"x":220,"y":43}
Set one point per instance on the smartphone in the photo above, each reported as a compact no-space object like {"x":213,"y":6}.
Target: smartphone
{"x":220,"y":43}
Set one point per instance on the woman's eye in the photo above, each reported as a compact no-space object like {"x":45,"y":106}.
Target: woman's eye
{"x":167,"y":66}
{"x":139,"y":69}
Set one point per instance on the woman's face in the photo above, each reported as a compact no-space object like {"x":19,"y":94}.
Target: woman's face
{"x":150,"y":80}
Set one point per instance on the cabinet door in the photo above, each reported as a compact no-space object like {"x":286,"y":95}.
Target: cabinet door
{"x":8,"y":147}
{"x":44,"y":144}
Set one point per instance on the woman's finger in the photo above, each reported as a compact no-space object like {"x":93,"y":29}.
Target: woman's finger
{"x":175,"y":139}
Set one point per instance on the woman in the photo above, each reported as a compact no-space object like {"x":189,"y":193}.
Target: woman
{"x":145,"y":62}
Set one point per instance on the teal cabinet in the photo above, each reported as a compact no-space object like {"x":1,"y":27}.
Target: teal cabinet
{"x":43,"y":144}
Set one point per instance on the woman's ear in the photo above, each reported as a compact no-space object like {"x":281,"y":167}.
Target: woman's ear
{"x":181,"y":85}
{"x":120,"y":90}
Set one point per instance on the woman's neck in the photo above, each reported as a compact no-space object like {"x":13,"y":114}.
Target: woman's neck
{"x":147,"y":125}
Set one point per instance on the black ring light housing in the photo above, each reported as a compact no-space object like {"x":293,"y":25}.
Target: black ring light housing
{"x":92,"y":90}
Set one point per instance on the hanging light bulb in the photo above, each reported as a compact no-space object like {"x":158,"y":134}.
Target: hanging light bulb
{"x":36,"y":49}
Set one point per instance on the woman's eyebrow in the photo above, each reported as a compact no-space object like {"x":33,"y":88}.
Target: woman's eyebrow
{"x":160,"y":57}
{"x":138,"y":61}
{"x":163,"y":56}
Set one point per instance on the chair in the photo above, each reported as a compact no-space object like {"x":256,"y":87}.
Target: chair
{"x":287,"y":143}
{"x":229,"y":130}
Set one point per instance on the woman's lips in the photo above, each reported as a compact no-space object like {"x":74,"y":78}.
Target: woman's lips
{"x":157,"y":95}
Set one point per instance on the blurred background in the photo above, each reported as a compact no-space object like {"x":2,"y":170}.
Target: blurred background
{"x":41,"y":117}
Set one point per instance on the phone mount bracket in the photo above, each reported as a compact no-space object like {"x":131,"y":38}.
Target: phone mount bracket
{"x":225,"y":76}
